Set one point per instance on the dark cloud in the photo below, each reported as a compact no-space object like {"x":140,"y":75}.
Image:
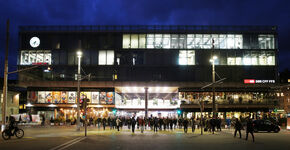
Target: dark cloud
{"x":127,"y":12}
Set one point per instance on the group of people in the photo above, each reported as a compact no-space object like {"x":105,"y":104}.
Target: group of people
{"x":142,"y":123}
{"x":250,"y":128}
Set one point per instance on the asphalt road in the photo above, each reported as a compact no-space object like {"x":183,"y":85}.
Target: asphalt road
{"x":68,"y":138}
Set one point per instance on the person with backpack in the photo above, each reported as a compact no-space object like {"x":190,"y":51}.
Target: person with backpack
{"x":250,"y":129}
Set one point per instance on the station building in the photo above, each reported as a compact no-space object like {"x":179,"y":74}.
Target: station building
{"x":171,"y":61}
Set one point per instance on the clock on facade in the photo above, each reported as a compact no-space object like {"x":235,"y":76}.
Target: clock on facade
{"x":34,"y":42}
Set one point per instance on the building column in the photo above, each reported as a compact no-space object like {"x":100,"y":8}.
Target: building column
{"x":146,"y":102}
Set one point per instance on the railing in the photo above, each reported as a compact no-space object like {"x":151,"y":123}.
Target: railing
{"x":147,"y":28}
{"x":224,"y":102}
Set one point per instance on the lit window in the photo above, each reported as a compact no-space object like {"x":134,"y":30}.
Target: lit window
{"x":216,"y":40}
{"x":158,"y":41}
{"x":174,"y":41}
{"x":222,"y":41}
{"x":254,"y":58}
{"x":270,"y":58}
{"x":150,"y":41}
{"x":126,"y":40}
{"x":33,"y":56}
{"x":238,"y":41}
{"x":207,"y":41}
{"x":134,"y":41}
{"x":198,"y":41}
{"x":231,"y":61}
{"x":262,"y":59}
{"x":239,"y":61}
{"x":142,"y":40}
{"x":190,"y":41}
{"x":106,"y":57}
{"x":186,"y":57}
{"x":166,"y":41}
{"x":230,"y":41}
{"x":266,"y":41}
{"x":182,"y":41}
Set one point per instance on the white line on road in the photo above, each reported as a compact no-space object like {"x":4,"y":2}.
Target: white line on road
{"x":64,"y":144}
{"x":72,"y":143}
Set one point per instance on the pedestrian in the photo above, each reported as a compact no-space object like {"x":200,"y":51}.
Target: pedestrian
{"x":185,"y":125}
{"x":238,"y":127}
{"x":250,"y":129}
{"x":171,"y":124}
{"x":218,"y":124}
{"x":155,"y":124}
{"x":133,"y":122}
{"x":212,"y":124}
{"x":192,"y":124}
{"x":141,"y":124}
{"x":118,"y":123}
{"x":104,"y":123}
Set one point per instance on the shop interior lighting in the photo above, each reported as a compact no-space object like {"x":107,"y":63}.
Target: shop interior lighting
{"x":51,"y":105}
{"x":29,"y":105}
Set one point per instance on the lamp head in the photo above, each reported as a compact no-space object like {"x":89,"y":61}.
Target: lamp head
{"x":79,"y":53}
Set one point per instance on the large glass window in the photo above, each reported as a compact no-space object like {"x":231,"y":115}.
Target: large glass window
{"x":254,"y":58}
{"x":29,"y":57}
{"x":182,"y":41}
{"x":198,"y":41}
{"x":126,"y":41}
{"x":270,"y":58}
{"x":230,"y":41}
{"x":266,"y":41}
{"x":186,"y":57}
{"x":190,"y":41}
{"x":142,"y":40}
{"x":247,"y":58}
{"x":174,"y":41}
{"x":106,"y":57}
{"x":150,"y":41}
{"x":158,"y":41}
{"x":166,"y":41}
{"x":134,"y":41}
{"x":222,"y":41}
{"x":207,"y":41}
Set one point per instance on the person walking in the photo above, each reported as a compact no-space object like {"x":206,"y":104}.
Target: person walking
{"x":118,"y":123}
{"x":155,"y":124}
{"x":133,"y":123}
{"x":250,"y":129}
{"x":238,"y":127}
{"x":141,"y":124}
{"x":192,"y":124}
{"x":104,"y":121}
{"x":185,"y":125}
{"x":218,"y":124}
{"x":212,"y":124}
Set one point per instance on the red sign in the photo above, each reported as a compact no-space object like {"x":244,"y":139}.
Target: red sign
{"x":39,"y":63}
{"x":249,"y":81}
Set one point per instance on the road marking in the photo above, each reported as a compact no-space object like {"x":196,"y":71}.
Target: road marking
{"x":68,"y":143}
{"x":72,"y":143}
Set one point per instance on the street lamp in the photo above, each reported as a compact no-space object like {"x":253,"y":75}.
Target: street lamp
{"x":79,"y":55}
{"x":212,"y":60}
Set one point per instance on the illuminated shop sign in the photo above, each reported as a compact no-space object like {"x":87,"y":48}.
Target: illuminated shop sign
{"x":253,"y":81}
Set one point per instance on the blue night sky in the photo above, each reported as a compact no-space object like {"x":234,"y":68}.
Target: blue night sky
{"x":144,"y":12}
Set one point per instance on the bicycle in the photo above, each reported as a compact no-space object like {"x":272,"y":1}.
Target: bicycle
{"x":6,"y":134}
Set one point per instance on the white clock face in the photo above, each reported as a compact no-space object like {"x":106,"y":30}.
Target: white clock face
{"x":34,"y":42}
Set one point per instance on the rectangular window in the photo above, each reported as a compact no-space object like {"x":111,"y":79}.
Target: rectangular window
{"x":215,"y":38}
{"x":222,"y":41}
{"x":190,"y":41}
{"x":142,"y":40}
{"x":24,"y":58}
{"x":186,"y":57}
{"x":207,"y":41}
{"x":266,"y":41}
{"x":166,"y":41}
{"x":106,"y":57}
{"x":231,"y":60}
{"x":254,"y":58}
{"x":247,"y":58}
{"x":238,"y":41}
{"x":270,"y":58}
{"x":182,"y":41}
{"x":126,"y":41}
{"x":174,"y":41}
{"x":33,"y":56}
{"x":230,"y":41}
{"x":198,"y":41}
{"x":150,"y":41}
{"x":134,"y":41}
{"x":158,"y":41}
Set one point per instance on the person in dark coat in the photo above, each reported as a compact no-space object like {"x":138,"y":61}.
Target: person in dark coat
{"x":185,"y":125}
{"x":250,"y":129}
{"x":104,"y":123}
{"x":218,"y":124}
{"x":155,"y":124}
{"x":212,"y":125}
{"x":133,"y":122}
{"x":238,"y":127}
{"x":192,"y":124}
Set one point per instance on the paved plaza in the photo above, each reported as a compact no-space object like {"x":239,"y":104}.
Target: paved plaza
{"x":53,"y":138}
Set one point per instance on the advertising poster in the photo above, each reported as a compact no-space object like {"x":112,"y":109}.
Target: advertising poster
{"x":110,"y":97}
{"x":56,"y":97}
{"x":103,"y":98}
{"x":95,"y":97}
{"x":32,"y":96}
{"x":72,"y":97}
{"x":41,"y":97}
{"x":63,"y":97}
{"x":86,"y":95}
{"x":48,"y":97}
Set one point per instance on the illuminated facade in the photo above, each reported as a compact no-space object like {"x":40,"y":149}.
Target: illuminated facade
{"x":172,"y":61}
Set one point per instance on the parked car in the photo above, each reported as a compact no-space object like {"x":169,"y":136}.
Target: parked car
{"x":265,"y":125}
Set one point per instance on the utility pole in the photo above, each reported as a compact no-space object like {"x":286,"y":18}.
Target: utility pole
{"x":79,"y":55}
{"x":5,"y":78}
{"x":213,"y":81}
{"x":146,"y":102}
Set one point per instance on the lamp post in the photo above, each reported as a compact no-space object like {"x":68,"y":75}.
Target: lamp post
{"x":212,"y":60}
{"x":79,"y":55}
